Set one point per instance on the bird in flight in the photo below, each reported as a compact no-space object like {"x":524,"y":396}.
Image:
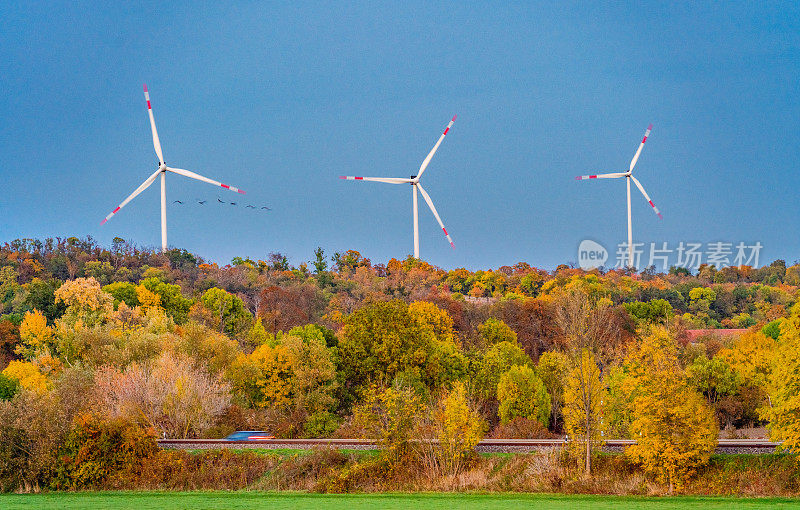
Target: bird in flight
{"x":177,"y":202}
{"x":202,"y":202}
{"x":251,"y":206}
{"x":267,"y":208}
{"x":233,"y":203}
{"x":220,"y":201}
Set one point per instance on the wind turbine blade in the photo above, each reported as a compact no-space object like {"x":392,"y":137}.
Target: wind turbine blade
{"x":156,"y":142}
{"x":641,"y":146}
{"x":599,"y":176}
{"x":141,"y":188}
{"x":647,"y":197}
{"x":187,"y":173}
{"x":390,"y":180}
{"x":435,"y":147}
{"x":435,"y":214}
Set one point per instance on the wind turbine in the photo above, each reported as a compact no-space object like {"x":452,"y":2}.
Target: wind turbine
{"x":415,"y":184}
{"x":162,"y":170}
{"x":628,"y":177}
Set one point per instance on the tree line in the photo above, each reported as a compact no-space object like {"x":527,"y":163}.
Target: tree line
{"x":339,"y":346}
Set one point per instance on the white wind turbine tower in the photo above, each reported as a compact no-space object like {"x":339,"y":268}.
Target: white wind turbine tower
{"x":162,"y":169}
{"x":628,"y":177}
{"x":415,"y":184}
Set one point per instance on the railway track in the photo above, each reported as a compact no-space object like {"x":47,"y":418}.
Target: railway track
{"x":487,"y":445}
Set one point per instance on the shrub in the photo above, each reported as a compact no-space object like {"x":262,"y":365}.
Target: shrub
{"x":15,"y":450}
{"x":169,"y":395}
{"x":389,"y":416}
{"x":206,"y":470}
{"x":321,"y":424}
{"x":97,"y":449}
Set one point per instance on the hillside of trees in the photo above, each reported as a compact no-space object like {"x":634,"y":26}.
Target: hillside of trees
{"x":93,"y":338}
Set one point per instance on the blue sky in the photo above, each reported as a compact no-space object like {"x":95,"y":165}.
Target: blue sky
{"x":280,"y":99}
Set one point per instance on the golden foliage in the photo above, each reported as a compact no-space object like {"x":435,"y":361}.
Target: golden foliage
{"x":36,"y":336}
{"x":583,"y":407}
{"x":27,"y":374}
{"x":675,"y":430}
{"x":147,"y":299}
{"x":458,"y":427}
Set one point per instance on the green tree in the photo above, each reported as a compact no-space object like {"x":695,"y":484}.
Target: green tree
{"x":122,"y":292}
{"x":228,"y":310}
{"x":172,"y":300}
{"x":41,"y":296}
{"x":523,"y":395}
{"x":382,"y":339}
{"x":9,"y":386}
{"x":493,"y":363}
{"x":552,"y":369}
{"x":494,"y":331}
{"x":657,"y":311}
{"x":713,"y":377}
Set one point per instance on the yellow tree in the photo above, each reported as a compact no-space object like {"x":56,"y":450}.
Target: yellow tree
{"x":433,"y":320}
{"x":86,"y":302}
{"x":783,"y":412}
{"x":389,"y":416}
{"x":265,"y":377}
{"x":583,"y":406}
{"x":674,"y":429}
{"x":459,"y":427}
{"x":146,"y":298}
{"x":36,"y":336}
{"x":27,"y":374}
{"x":751,"y":356}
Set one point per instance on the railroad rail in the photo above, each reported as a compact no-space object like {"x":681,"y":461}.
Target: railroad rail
{"x":487,"y":445}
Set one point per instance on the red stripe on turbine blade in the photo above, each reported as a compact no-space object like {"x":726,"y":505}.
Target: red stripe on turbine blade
{"x":446,"y":130}
{"x":660,"y":217}
{"x":592,"y":177}
{"x":358,"y":178}
{"x":454,"y":118}
{"x":445,"y":231}
{"x":145,"y":87}
{"x":148,"y":105}
{"x":453,"y":245}
{"x":225,"y":186}
{"x":104,"y":221}
{"x":651,"y":204}
{"x":115,"y":210}
{"x":241,"y":191}
{"x":649,"y":127}
{"x":644,"y":139}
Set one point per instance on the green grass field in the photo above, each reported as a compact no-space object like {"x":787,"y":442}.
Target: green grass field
{"x":280,"y":501}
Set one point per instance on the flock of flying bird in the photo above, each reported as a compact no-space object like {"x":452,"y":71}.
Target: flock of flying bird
{"x":204,"y":202}
{"x":413,"y":180}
